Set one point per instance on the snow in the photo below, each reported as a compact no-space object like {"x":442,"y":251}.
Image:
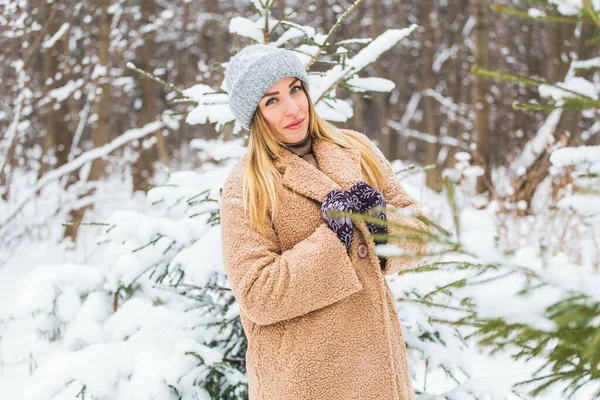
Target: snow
{"x":247,"y":28}
{"x":575,"y":156}
{"x":124,"y":311}
{"x":49,"y":43}
{"x":473,"y":171}
{"x":541,"y":140}
{"x":99,"y":70}
{"x":378,"y":46}
{"x":11,"y":132}
{"x":353,"y":65}
{"x":442,"y":56}
{"x":38,"y":288}
{"x":455,"y":112}
{"x":588,"y":206}
{"x":355,"y":41}
{"x":573,"y":7}
{"x":334,"y":110}
{"x":462,"y":156}
{"x":218,"y":149}
{"x":478,"y":232}
{"x":371,"y":84}
{"x":536,"y":13}
{"x":152,"y":341}
{"x":308,"y":31}
{"x":64,"y":92}
{"x":78,"y":162}
{"x":288,"y":35}
{"x":585,"y":64}
{"x":212,"y":106}
{"x":576,"y":84}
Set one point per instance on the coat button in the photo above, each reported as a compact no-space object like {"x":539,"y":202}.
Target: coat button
{"x":363,"y":250}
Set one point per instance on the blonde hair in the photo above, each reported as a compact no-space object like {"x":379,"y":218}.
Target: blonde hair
{"x":262,"y":179}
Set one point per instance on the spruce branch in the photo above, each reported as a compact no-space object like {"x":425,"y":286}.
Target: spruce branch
{"x":504,"y":76}
{"x":433,"y":304}
{"x":593,"y":39}
{"x":456,"y":284}
{"x":450,"y":187}
{"x":156,"y":79}
{"x":339,"y":23}
{"x":566,"y":104}
{"x":593,"y":14}
{"x":300,"y":28}
{"x":524,"y":14}
{"x":285,"y":17}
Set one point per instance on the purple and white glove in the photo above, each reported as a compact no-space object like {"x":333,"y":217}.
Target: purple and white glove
{"x":368,"y":198}
{"x":340,"y":200}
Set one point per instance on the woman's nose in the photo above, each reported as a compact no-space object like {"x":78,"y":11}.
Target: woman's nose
{"x":291,"y":107}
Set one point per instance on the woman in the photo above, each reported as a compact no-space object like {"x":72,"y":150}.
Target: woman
{"x":315,"y":307}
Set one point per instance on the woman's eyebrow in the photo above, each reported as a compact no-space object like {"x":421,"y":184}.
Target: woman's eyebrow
{"x":274,"y":93}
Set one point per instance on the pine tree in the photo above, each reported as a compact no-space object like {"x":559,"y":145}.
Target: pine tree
{"x":548,"y":311}
{"x":567,"y":101}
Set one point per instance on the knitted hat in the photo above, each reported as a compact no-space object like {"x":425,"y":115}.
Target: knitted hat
{"x":252,"y":71}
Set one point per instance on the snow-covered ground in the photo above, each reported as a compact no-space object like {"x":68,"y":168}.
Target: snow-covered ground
{"x":57,"y":313}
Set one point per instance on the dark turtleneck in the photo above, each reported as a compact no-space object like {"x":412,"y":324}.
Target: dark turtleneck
{"x":303,"y":148}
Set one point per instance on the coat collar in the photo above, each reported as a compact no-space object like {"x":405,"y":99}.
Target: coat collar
{"x":339,"y":168}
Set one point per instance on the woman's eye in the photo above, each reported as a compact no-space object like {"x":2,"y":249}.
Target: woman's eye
{"x":269,"y":102}
{"x":295,"y":87}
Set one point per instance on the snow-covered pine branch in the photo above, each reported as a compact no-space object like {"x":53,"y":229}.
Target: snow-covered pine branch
{"x":157,"y":309}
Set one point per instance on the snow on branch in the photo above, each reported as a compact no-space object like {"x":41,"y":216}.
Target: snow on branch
{"x":88,"y":156}
{"x":59,"y":33}
{"x":247,"y":28}
{"x":323,"y":42}
{"x":455,"y":111}
{"x":11,"y":133}
{"x":444,"y":140}
{"x":365,"y":57}
{"x":538,"y":144}
{"x":576,"y":156}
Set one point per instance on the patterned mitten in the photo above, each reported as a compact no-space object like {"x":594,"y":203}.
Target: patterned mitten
{"x":370,"y":197}
{"x":340,"y":200}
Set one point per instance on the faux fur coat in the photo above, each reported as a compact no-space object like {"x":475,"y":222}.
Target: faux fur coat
{"x":320,"y":320}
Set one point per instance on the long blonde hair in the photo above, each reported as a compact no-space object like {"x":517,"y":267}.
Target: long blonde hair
{"x":261,"y":177}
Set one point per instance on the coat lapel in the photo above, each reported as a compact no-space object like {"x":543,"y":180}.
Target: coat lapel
{"x":339,"y":168}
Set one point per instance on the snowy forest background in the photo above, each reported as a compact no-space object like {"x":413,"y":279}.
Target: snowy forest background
{"x":116,"y":138}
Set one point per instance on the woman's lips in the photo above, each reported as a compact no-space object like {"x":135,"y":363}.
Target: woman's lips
{"x":296,"y":126}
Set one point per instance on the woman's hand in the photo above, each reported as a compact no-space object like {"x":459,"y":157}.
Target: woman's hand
{"x":372,"y":203}
{"x":340,"y":200}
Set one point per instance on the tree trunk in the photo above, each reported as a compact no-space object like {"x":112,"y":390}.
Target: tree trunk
{"x":102,"y":105}
{"x":102,"y":108}
{"x":433,"y":175}
{"x":143,"y":169}
{"x":480,"y":103}
{"x":452,"y":73}
{"x":58,"y":138}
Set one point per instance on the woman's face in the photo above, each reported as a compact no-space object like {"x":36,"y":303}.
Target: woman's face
{"x":285,"y":108}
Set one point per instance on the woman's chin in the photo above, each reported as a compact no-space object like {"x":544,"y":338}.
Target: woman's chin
{"x":294,"y":136}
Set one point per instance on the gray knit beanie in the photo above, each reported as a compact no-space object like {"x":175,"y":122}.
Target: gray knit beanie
{"x":252,"y":71}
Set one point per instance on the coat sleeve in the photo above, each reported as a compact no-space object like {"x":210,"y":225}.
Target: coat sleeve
{"x":272,"y":286}
{"x":399,"y":204}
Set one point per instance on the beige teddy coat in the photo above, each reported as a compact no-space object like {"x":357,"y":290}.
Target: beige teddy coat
{"x":320,"y":321}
